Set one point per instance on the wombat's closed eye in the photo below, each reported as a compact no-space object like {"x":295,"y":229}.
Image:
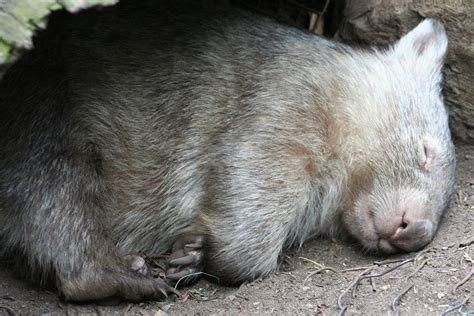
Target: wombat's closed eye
{"x":427,"y":153}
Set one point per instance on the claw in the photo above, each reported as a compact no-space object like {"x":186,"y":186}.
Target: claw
{"x":180,"y":274}
{"x":163,"y":292}
{"x":196,"y":245}
{"x":185,"y":260}
{"x":189,"y":259}
{"x":174,"y":291}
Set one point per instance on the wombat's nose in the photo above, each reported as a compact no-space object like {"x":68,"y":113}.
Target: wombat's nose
{"x":411,"y":236}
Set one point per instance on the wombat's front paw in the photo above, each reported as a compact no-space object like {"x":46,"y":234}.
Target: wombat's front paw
{"x":186,"y":259}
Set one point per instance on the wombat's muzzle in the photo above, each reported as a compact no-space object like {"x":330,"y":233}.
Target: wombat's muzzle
{"x":412,"y":236}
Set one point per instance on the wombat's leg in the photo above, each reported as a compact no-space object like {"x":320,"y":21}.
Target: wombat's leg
{"x":243,"y":251}
{"x":59,"y":220}
{"x":260,"y":199}
{"x":186,"y":259}
{"x":248,"y":228}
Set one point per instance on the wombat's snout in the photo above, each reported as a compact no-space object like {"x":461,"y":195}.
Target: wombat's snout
{"x":411,"y":233}
{"x":393,"y":221}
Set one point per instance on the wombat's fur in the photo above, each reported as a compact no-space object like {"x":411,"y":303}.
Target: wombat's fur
{"x":136,"y":127}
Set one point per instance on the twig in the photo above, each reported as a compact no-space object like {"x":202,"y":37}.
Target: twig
{"x":313,"y":262}
{"x":320,"y":15}
{"x":379,"y":263}
{"x":342,"y":311}
{"x":421,"y":253}
{"x":342,"y":308}
{"x":467,"y":242}
{"x":319,"y":271}
{"x":464,"y":280}
{"x":354,"y":269}
{"x":127,"y":308}
{"x":195,"y":274}
{"x":450,"y":309}
{"x":417,"y":269}
{"x":396,"y":300}
{"x":382,"y":273}
{"x":291,"y":275}
{"x":302,"y":6}
{"x":388,"y":270}
{"x":372,"y":284}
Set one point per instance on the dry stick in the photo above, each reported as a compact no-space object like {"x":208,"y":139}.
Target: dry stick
{"x":421,"y":253}
{"x":372,"y":284}
{"x":465,"y":279}
{"x":320,"y":15}
{"x":450,"y":309}
{"x":389,"y":270}
{"x":354,"y":269}
{"x":396,"y":301}
{"x":342,"y":308}
{"x":363,"y":275}
{"x":127,"y":308}
{"x":379,"y":263}
{"x":313,"y":262}
{"x":319,"y":271}
{"x":467,"y":242}
{"x":342,"y":311}
{"x":381,"y":273}
{"x":416,"y":270}
{"x":194,"y":274}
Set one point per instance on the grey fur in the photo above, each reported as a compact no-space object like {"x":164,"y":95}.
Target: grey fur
{"x":134,"y":125}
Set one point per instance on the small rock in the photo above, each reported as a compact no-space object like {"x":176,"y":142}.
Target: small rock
{"x":385,"y":287}
{"x":165,"y":307}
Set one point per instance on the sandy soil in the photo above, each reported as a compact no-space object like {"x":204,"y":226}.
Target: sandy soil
{"x":431,"y":280}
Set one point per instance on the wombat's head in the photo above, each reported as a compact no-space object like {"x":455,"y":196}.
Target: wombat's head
{"x":404,"y":182}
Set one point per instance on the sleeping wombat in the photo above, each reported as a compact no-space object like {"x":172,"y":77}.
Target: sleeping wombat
{"x":218,"y":134}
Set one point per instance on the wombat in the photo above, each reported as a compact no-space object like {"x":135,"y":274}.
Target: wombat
{"x":216,"y":134}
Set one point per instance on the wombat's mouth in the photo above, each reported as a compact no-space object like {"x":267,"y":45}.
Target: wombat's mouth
{"x":386,"y":247}
{"x":379,"y":245}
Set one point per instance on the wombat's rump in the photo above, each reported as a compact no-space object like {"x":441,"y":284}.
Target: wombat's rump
{"x":220,"y":135}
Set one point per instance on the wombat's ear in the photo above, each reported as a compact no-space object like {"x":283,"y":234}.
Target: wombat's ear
{"x":428,"y":40}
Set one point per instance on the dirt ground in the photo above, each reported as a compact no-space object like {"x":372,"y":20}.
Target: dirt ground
{"x":433,"y":280}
